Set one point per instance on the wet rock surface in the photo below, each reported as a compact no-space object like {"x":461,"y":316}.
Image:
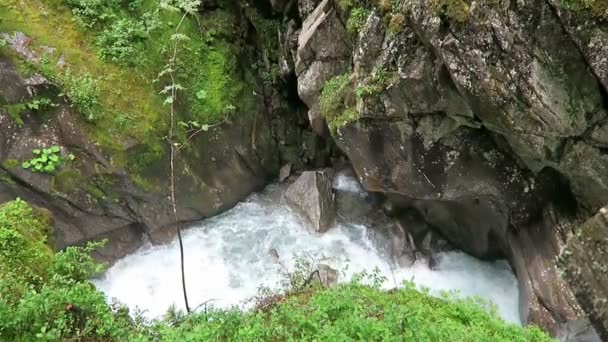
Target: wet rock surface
{"x":92,"y":198}
{"x":489,"y":127}
{"x":586,"y":269}
{"x":311,"y":195}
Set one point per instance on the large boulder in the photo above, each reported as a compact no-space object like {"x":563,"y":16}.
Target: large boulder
{"x":586,"y":269}
{"x":311,"y":194}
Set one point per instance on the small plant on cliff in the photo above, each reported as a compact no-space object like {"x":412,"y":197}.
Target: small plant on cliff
{"x":337,"y":102}
{"x":122,"y":42}
{"x":83,"y":93}
{"x":47,"y":160}
{"x":356,"y":20}
{"x":40,"y":103}
{"x":597,"y":8}
{"x":457,"y":10}
{"x":89,"y":13}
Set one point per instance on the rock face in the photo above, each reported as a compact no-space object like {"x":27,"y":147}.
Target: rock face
{"x":584,"y":260}
{"x":323,"y":51}
{"x":312,"y":195}
{"x":97,"y":196}
{"x":489,"y":123}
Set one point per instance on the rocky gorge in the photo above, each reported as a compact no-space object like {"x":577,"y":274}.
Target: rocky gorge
{"x":477,"y":125}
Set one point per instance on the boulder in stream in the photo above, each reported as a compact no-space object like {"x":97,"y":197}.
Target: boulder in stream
{"x":312,"y":196}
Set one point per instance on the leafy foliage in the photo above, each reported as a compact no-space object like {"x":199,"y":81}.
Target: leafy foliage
{"x":356,"y":20}
{"x":40,"y":103}
{"x":355,"y":311}
{"x":46,"y":160}
{"x":37,"y":104}
{"x":83,"y":93}
{"x":89,"y":13}
{"x":337,"y":102}
{"x":122,"y":42}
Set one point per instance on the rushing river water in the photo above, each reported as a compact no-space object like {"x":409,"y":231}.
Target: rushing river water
{"x":227,"y":260}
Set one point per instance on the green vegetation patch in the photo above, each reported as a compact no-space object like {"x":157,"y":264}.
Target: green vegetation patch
{"x":458,"y":10}
{"x":48,"y":296}
{"x":595,"y":8}
{"x":67,"y":180}
{"x":108,"y":60}
{"x":337,"y":102}
{"x":24,"y":254}
{"x":46,"y":160}
{"x":356,"y":20}
{"x":357,"y":312}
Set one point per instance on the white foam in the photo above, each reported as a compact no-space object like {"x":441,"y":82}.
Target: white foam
{"x":227,"y":259}
{"x":347,"y":183}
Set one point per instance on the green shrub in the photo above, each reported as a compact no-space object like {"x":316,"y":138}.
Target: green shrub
{"x":355,"y":312}
{"x":83,"y":94}
{"x":24,"y":255}
{"x":337,"y":102}
{"x":46,"y":296}
{"x":356,"y":20}
{"x":90,"y":13}
{"x":122,"y":42}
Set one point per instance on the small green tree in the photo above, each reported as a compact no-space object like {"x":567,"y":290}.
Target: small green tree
{"x":188,"y":7}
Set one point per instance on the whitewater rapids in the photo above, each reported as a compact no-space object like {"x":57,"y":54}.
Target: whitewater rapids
{"x":227,"y":259}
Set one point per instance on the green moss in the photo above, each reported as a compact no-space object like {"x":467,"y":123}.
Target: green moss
{"x":67,"y":180}
{"x":267,"y":31}
{"x":6,"y":179}
{"x":216,"y":83}
{"x":95,"y":191}
{"x":10,"y":163}
{"x":14,"y":112}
